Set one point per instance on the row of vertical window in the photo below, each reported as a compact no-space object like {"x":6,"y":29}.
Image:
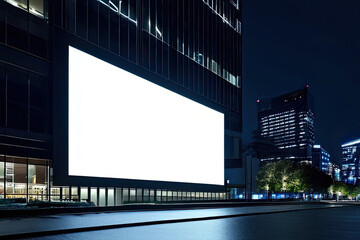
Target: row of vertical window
{"x":35,"y":7}
{"x":212,"y":47}
{"x":226,"y":11}
{"x":23,"y":31}
{"x":124,"y":35}
{"x":102,"y":196}
{"x":158,"y":20}
{"x":23,"y":176}
{"x":23,"y":99}
{"x":29,"y":178}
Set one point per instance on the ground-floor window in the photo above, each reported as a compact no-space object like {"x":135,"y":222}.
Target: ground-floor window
{"x":29,"y":179}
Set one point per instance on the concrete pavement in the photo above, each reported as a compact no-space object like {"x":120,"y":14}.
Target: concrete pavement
{"x":77,"y":222}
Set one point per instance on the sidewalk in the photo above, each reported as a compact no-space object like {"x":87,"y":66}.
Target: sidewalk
{"x":37,"y":211}
{"x":77,"y":222}
{"x":341,"y":202}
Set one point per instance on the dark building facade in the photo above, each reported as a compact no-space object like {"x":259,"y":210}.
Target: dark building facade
{"x":350,"y":161}
{"x":191,"y":47}
{"x":321,"y":159}
{"x":288,"y":122}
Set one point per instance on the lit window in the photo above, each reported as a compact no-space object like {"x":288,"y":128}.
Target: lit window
{"x":35,"y":7}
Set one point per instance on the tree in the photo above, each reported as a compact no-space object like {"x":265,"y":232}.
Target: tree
{"x":346,"y":190}
{"x":339,"y":188}
{"x":289,"y":176}
{"x":265,"y":178}
{"x":354,"y":191}
{"x":276,"y":176}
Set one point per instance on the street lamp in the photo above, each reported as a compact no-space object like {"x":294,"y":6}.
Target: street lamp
{"x":337,"y":196}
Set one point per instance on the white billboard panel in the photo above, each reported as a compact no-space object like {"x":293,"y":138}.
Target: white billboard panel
{"x":123,"y":126}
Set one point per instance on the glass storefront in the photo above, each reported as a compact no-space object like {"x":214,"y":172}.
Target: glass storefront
{"x":84,"y":195}
{"x":102,"y":197}
{"x":29,"y":178}
{"x":15,"y":176}
{"x":38,"y":178}
{"x":2,"y":177}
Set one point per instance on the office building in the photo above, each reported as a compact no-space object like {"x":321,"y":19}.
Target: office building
{"x":350,"y":161}
{"x":288,"y":122}
{"x":67,"y":62}
{"x":321,"y":159}
{"x":335,"y":171}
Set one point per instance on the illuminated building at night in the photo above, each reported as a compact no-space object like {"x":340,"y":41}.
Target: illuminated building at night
{"x":350,"y":161}
{"x":321,"y":159}
{"x":288,"y":122}
{"x":119,"y":101}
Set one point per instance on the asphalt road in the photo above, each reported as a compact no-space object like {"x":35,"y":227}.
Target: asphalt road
{"x":330,"y":223}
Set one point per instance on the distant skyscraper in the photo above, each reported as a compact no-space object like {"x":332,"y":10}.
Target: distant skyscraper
{"x":321,"y":159}
{"x":288,"y":121}
{"x":350,"y":163}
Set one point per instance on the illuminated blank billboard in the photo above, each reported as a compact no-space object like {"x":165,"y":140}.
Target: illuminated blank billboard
{"x":123,"y":126}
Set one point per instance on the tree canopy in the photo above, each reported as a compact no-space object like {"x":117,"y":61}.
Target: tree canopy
{"x":343,"y":189}
{"x":290,"y":176}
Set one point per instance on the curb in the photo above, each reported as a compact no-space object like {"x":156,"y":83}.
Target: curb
{"x":8,"y":213}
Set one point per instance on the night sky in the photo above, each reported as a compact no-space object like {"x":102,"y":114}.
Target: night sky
{"x":288,"y":44}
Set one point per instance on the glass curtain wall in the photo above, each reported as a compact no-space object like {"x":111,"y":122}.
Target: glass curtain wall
{"x":25,"y":178}
{"x":28,"y":178}
{"x":193,"y":43}
{"x":35,"y":7}
{"x":2,"y":177}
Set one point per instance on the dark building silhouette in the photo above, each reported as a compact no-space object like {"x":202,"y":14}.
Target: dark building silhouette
{"x":191,"y":47}
{"x":288,"y":121}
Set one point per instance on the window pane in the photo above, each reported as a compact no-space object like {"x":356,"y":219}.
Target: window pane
{"x":19,"y":3}
{"x":118,"y":197}
{"x":38,"y":103}
{"x":81,"y":25}
{"x":103,"y":26}
{"x":125,"y":195}
{"x":16,"y":37}
{"x":93,"y":21}
{"x":2,"y":95}
{"x":36,"y":7}
{"x":124,"y":7}
{"x":93,"y":196}
{"x":114,"y":32}
{"x":124,"y":37}
{"x":2,"y":25}
{"x":70,"y":15}
{"x":132,"y":194}
{"x":55,"y":191}
{"x":74,"y":191}
{"x":102,"y":197}
{"x":84,"y":196}
{"x":66,"y":193}
{"x":2,"y":177}
{"x":16,"y":174}
{"x":37,"y":179}
{"x":110,"y":197}
{"x":17,"y":112}
{"x":132,"y":12}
